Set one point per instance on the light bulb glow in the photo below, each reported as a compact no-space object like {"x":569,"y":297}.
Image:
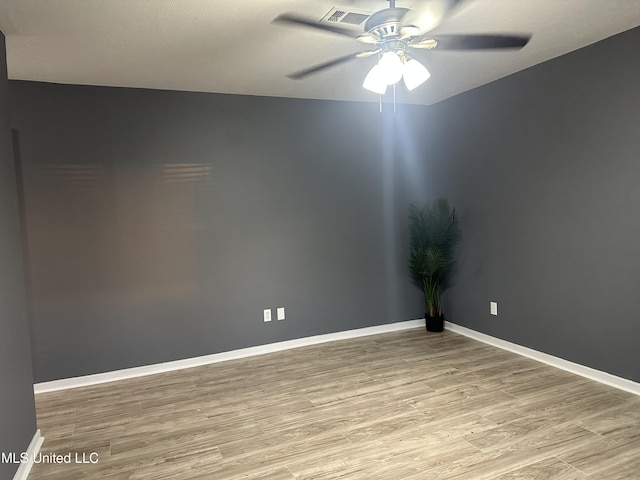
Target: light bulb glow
{"x":391,"y":67}
{"x":374,"y":81}
{"x":414,"y":74}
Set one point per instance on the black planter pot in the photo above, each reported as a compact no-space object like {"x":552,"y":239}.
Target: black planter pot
{"x":434,"y":324}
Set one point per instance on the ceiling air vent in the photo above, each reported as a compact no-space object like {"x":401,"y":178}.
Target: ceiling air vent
{"x":345,"y":17}
{"x":336,"y":16}
{"x":354,"y":18}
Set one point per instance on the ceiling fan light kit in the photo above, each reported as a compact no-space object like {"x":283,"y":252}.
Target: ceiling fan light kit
{"x":392,"y":31}
{"x":392,"y":67}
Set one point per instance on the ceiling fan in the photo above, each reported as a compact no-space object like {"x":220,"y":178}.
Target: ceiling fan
{"x":393,"y":32}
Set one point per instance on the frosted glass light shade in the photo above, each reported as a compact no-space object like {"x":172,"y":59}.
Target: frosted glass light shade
{"x":414,"y":74}
{"x":391,"y":67}
{"x":375,"y":81}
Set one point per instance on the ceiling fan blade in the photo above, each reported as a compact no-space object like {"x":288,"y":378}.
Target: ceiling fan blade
{"x":331,"y":63}
{"x":471,"y":42}
{"x":425,"y":15}
{"x":293,"y":19}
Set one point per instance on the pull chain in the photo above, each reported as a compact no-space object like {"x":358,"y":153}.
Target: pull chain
{"x":394,"y":98}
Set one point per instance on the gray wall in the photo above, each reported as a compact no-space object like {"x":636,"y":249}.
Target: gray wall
{"x":161,"y":224}
{"x":544,"y":167}
{"x":17,"y":411}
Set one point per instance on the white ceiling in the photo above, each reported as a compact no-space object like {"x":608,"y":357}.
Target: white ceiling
{"x":232,"y":46}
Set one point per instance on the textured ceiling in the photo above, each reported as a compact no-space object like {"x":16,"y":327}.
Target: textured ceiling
{"x":232,"y":47}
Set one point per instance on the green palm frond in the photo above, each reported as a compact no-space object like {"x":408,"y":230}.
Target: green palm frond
{"x":433,"y":234}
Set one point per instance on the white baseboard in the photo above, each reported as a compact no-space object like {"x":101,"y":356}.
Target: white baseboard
{"x":84,"y":381}
{"x":587,"y":372}
{"x":127,"y":373}
{"x":32,"y":451}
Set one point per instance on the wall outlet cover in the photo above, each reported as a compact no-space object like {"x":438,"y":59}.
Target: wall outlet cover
{"x":494,"y":308}
{"x":267,"y":314}
{"x":280,"y":313}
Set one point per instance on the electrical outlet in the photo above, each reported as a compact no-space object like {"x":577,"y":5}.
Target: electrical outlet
{"x":280,"y":313}
{"x":267,"y":314}
{"x":494,"y":308}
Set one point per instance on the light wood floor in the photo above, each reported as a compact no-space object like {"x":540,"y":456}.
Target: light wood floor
{"x":404,"y":405}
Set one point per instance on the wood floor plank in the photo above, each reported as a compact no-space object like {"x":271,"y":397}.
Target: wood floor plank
{"x":621,"y":421}
{"x":547,"y":469}
{"x":604,"y":455}
{"x":523,"y":452}
{"x":401,"y":405}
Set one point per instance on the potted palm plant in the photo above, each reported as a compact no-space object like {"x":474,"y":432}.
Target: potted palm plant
{"x":433,"y":235}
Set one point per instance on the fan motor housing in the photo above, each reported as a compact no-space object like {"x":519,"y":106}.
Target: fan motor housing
{"x":385,"y":23}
